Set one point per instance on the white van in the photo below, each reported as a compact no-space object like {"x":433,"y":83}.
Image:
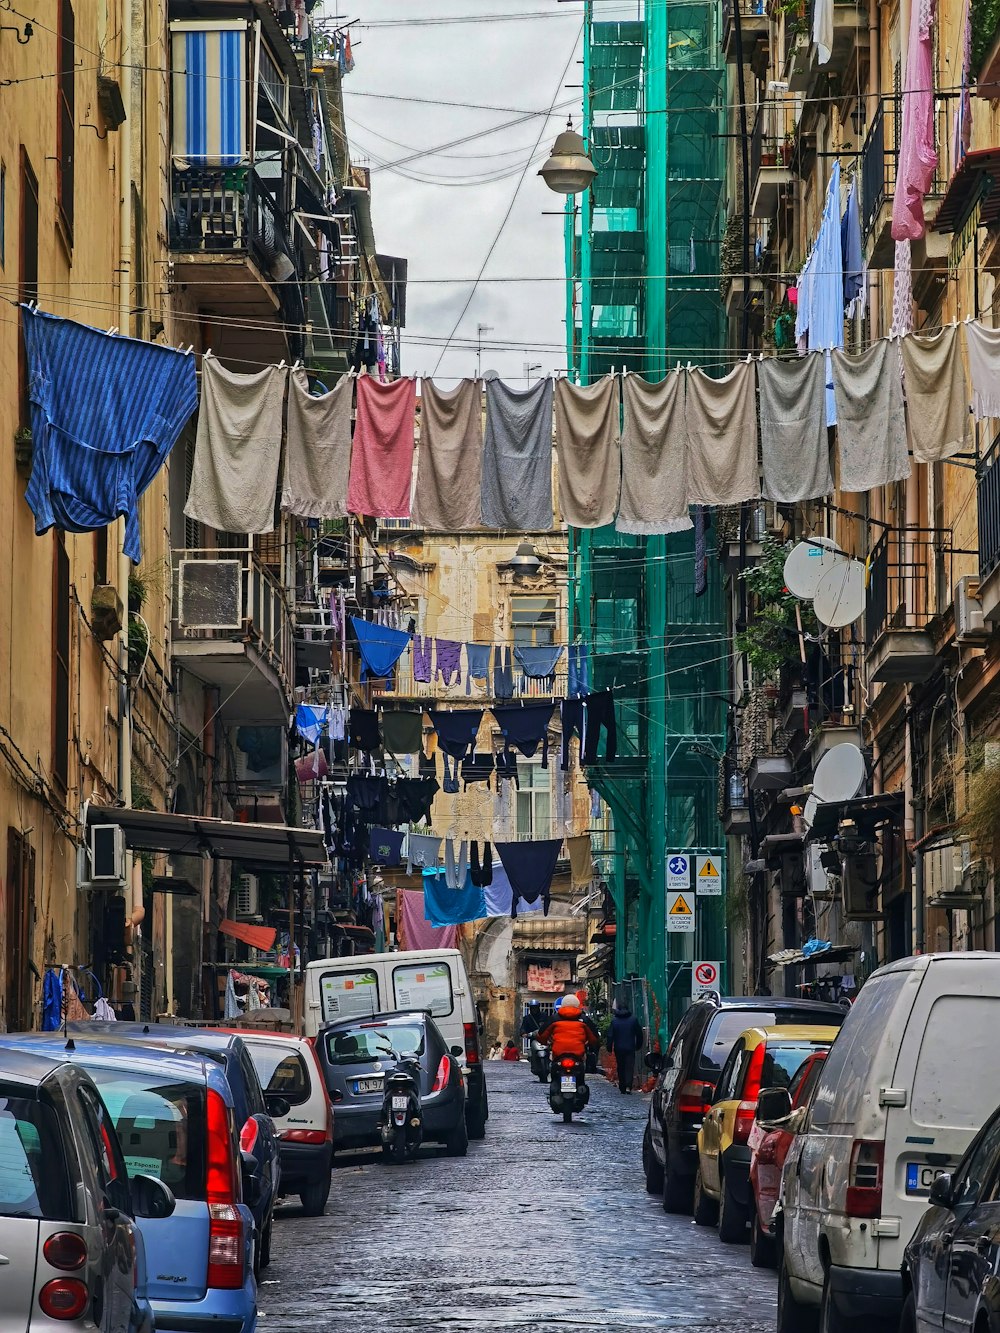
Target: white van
{"x":378,"y":983}
{"x":909,"y":1080}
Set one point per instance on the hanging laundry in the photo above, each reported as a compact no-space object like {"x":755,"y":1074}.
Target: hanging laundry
{"x":413,"y":931}
{"x":261,"y":745}
{"x":422,"y":659}
{"x":937,"y":399}
{"x":539,"y":662}
{"x":402,"y":730}
{"x":525,"y":726}
{"x":654,"y":457}
{"x":52,"y":998}
{"x":871,"y":429}
{"x":363,"y":730}
{"x":983,"y":346}
{"x":503,"y":674}
{"x":481,"y":874}
{"x":445,"y":906}
{"x":852,"y":251}
{"x":578,"y":670}
{"x":588,"y":449}
{"x":366,"y":793}
{"x":448,"y":661}
{"x":822,"y":30}
{"x":819,"y":315}
{"x":456,"y":731}
{"x":385,"y":847}
{"x":701,"y":526}
{"x":599,"y":711}
{"x":310,"y":721}
{"x":506,"y":770}
{"x":312,"y":767}
{"x":415,"y":796}
{"x":105,"y":413}
{"x":382,"y":456}
{"x":793,"y":433}
{"x":902,"y":291}
{"x":477,"y":767}
{"x":238,"y":447}
{"x":499,"y":897}
{"x":455,"y":866}
{"x":530,"y":867}
{"x":917,"y":152}
{"x":721,"y":418}
{"x":317,"y":449}
{"x":962,"y":130}
{"x":422,"y":851}
{"x":450,"y":461}
{"x":517,"y":457}
{"x":581,"y":865}
{"x":477,"y":657}
{"x":380,"y":647}
{"x":571,"y":716}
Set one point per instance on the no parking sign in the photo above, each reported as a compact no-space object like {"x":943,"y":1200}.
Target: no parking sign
{"x":705,"y":979}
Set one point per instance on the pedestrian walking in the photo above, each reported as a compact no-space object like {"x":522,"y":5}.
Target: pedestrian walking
{"x":625,"y":1038}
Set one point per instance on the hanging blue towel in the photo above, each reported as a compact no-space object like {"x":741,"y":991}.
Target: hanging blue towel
{"x":105,"y":413}
{"x":477,"y":656}
{"x":578,"y":681}
{"x":539,"y":663}
{"x":500,"y":897}
{"x":52,"y":1000}
{"x":310,"y":722}
{"x":451,"y":907}
{"x":381,"y":647}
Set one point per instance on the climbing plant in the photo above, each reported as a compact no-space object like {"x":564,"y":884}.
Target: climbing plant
{"x":771,"y":635}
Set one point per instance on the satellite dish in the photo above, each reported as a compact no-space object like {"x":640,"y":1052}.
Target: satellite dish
{"x":840,"y":596}
{"x":809,"y":811}
{"x":807,"y":562}
{"x":840,"y":774}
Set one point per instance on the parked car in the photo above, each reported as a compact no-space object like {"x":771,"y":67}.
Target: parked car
{"x":173,"y":1114}
{"x":951,"y":1262}
{"x":769,"y":1143}
{"x":432,"y":979}
{"x":289,"y":1067}
{"x":761,"y":1058}
{"x":905,"y":1087}
{"x":254,"y":1111}
{"x":355,"y":1054}
{"x":688,"y":1072}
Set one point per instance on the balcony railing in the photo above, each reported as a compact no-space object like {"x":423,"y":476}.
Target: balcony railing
{"x":228,"y":210}
{"x":988,"y":505}
{"x":880,"y":155}
{"x":902,"y":570}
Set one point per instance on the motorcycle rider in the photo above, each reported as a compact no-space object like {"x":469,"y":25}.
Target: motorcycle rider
{"x":570,"y":1031}
{"x":533,"y":1020}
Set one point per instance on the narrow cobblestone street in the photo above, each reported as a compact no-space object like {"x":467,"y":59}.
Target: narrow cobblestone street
{"x":543,"y":1226}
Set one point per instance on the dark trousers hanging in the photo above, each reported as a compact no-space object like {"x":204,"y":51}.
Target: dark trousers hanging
{"x":571,"y":715}
{"x":600,"y":713}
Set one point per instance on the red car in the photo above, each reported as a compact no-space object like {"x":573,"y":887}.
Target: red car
{"x":768,"y":1150}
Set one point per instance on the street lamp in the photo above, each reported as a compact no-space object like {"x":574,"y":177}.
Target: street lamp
{"x":525,"y":560}
{"x":568,"y":170}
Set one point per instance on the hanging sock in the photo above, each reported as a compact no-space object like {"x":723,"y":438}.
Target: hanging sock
{"x":539,"y":663}
{"x":503,"y":674}
{"x":450,"y":460}
{"x":588,"y":447}
{"x":654,"y":457}
{"x":380,"y":648}
{"x":455,"y":871}
{"x":530,"y":867}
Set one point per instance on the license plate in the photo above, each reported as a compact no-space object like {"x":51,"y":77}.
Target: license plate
{"x":567,"y":1083}
{"x":400,"y":1103}
{"x":362,"y":1085}
{"x":920,"y":1177}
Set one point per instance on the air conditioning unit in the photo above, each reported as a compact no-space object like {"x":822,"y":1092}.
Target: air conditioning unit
{"x":975,"y":877}
{"x":247,"y":897}
{"x":970,"y":628}
{"x":823,"y":886}
{"x":210,"y":594}
{"x":860,"y":885}
{"x":107,"y":854}
{"x":942,"y":870}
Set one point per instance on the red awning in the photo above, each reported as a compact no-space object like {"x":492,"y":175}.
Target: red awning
{"x":258,"y":937}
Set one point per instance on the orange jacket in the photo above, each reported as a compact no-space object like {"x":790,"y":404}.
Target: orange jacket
{"x":570,"y":1035}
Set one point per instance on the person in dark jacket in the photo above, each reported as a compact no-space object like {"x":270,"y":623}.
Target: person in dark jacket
{"x":624,"y":1040}
{"x":534,"y":1020}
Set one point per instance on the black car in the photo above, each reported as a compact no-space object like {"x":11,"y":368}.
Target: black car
{"x":687,"y":1075}
{"x":950,"y":1265}
{"x":252,"y":1109}
{"x":356,"y":1054}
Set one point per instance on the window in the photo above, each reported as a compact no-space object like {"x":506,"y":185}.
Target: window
{"x":782,"y":1063}
{"x":879,"y":1007}
{"x":533,"y":620}
{"x":373,"y":1041}
{"x":281,"y":1071}
{"x":255,"y":1093}
{"x":273,"y":81}
{"x":160,"y":1125}
{"x":34,"y":1181}
{"x":424,"y":986}
{"x":60,"y":663}
{"x":534,"y":801}
{"x":101,"y":556}
{"x":107,"y":1159}
{"x":732,"y":1074}
{"x":803,"y":1085}
{"x":27,"y":268}
{"x":348,"y":994}
{"x":20,"y":896}
{"x":980,"y":1167}
{"x":66,"y":112}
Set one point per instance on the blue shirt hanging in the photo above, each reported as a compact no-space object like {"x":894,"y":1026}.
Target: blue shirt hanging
{"x":380,"y":647}
{"x":451,"y":907}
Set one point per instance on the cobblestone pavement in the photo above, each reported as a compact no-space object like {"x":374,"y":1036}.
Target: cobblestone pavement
{"x":543,"y":1226}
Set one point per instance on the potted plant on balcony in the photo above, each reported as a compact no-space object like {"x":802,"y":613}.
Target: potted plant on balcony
{"x":768,"y":155}
{"x":787,"y":149}
{"x":770,"y":637}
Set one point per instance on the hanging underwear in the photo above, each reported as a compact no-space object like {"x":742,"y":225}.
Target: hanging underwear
{"x":530,"y":867}
{"x":415,"y":797}
{"x":477,"y":657}
{"x":477,"y":767}
{"x":448,"y":660}
{"x":457,"y":731}
{"x":402,"y":730}
{"x":422,"y":659}
{"x":539,"y":663}
{"x":363,"y":732}
{"x":481,"y":875}
{"x":503,"y":674}
{"x":524,"y":726}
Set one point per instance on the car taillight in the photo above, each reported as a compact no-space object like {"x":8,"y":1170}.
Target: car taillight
{"x":304,"y":1136}
{"x":221,"y":1176}
{"x":751,"y":1081}
{"x":471,"y":1044}
{"x":225,"y":1246}
{"x":695,"y":1097}
{"x":745,"y":1113}
{"x":864,"y":1180}
{"x":66,"y":1250}
{"x":64,"y":1298}
{"x":248,"y":1134}
{"x":442,"y":1075}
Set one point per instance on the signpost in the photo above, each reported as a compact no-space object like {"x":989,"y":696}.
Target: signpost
{"x":680,"y":912}
{"x":708,"y":876}
{"x":705,"y":980}
{"x":678,"y":871}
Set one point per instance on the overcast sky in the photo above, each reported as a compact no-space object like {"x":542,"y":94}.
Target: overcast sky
{"x":446,"y":229}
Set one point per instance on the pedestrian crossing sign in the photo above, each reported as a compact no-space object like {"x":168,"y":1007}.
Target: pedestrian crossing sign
{"x":708,"y":876}
{"x":680,"y":913}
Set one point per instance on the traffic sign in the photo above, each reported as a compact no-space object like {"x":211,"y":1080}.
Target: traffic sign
{"x":705,"y":980}
{"x":678,"y":871}
{"x":708,"y":876}
{"x":680,"y":912}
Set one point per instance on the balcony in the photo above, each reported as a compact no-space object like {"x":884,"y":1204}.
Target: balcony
{"x":735,"y":800}
{"x":988,"y":507}
{"x":903,"y":569}
{"x":754,"y":32}
{"x":802,"y":69}
{"x":233,"y":631}
{"x":770,"y":153}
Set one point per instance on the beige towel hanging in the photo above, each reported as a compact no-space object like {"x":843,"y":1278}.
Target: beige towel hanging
{"x":588,"y":445}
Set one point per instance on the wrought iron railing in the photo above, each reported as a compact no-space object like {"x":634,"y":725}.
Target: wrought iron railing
{"x":902,"y":578}
{"x":988,"y":506}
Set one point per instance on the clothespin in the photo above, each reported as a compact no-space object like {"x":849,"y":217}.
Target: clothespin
{"x":113,"y":330}
{"x":297,"y":364}
{"x":281,"y":364}
{"x":207,"y":352}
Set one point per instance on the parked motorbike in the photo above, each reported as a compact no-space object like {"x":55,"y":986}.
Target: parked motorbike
{"x":401,"y":1121}
{"x":538,"y":1057}
{"x":568,"y":1090}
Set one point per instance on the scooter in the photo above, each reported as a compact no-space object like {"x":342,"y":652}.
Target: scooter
{"x":568,"y":1090}
{"x":538,"y":1057}
{"x":401,"y":1121}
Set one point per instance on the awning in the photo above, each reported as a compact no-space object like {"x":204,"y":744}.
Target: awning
{"x":550,"y":934}
{"x":209,"y":115}
{"x":258,"y":937}
{"x":270,"y":846}
{"x":836,"y":953}
{"x":977,"y":180}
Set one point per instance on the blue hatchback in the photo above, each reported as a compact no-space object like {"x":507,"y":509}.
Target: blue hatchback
{"x":175,"y":1119}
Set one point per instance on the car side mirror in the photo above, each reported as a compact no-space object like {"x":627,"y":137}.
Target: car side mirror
{"x":250,"y":1178}
{"x":941,"y":1194}
{"x":277,"y":1106}
{"x":773,"y":1104}
{"x":458,"y":1053}
{"x":654,"y":1061}
{"x":151,"y":1198}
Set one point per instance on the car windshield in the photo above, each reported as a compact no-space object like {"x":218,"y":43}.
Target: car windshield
{"x":370,"y":1041}
{"x":727,"y":1025}
{"x":161,"y":1125}
{"x":280,"y":1070}
{"x":33,"y":1177}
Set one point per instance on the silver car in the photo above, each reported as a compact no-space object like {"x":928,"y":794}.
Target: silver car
{"x":70,"y":1253}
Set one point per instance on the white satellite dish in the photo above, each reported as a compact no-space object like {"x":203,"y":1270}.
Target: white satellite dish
{"x":840,"y":774}
{"x":807,"y":562}
{"x":809,"y":811}
{"x":840,"y":596}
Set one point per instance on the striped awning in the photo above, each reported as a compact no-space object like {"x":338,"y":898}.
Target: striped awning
{"x":211,"y":105}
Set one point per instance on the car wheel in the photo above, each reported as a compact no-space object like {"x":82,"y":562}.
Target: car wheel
{"x":476,"y":1118}
{"x":457,"y":1142}
{"x":265,"y":1244}
{"x":762,"y":1247}
{"x":908,"y":1318}
{"x":793,"y":1316}
{"x":732,"y":1216}
{"x":651,"y":1166}
{"x":314,"y":1197}
{"x":830,"y":1318}
{"x":705,"y":1209}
